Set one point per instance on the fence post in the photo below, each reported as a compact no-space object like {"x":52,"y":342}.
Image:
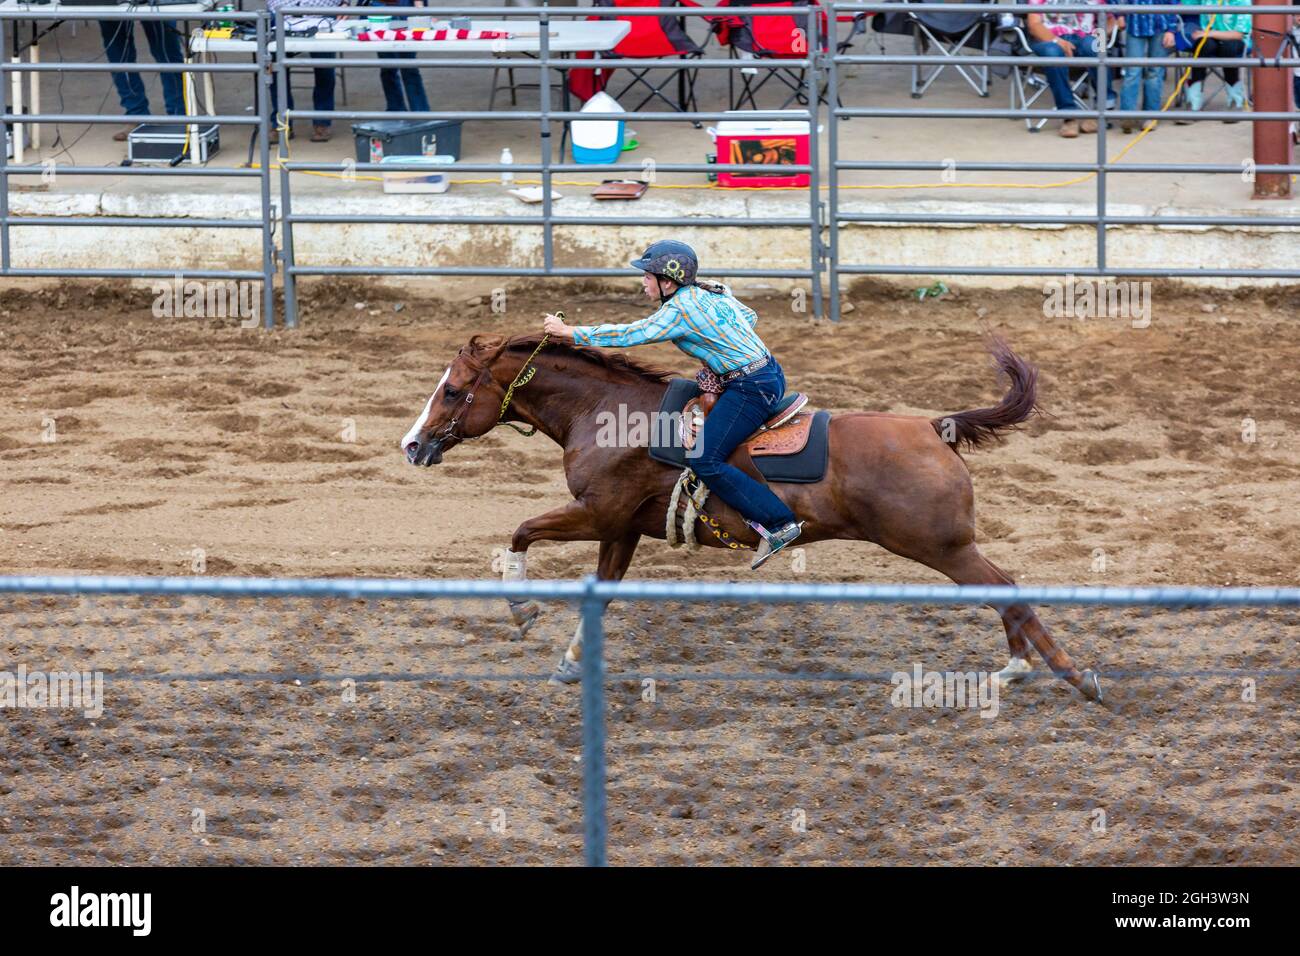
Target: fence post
{"x":832,"y":166}
{"x":1101,"y":88}
{"x":4,"y":160}
{"x":264,"y":80}
{"x":593,"y":726}
{"x":544,"y":92}
{"x":289,"y":280}
{"x":813,"y":52}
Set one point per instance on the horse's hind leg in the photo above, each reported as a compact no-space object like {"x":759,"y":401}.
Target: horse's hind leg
{"x":967,"y":566}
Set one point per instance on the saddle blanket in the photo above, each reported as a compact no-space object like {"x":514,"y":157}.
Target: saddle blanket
{"x":802,"y":467}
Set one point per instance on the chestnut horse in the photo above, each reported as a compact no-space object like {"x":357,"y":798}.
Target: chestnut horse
{"x":895,"y":480}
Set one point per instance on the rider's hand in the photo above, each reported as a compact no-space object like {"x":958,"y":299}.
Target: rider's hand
{"x":555,"y":327}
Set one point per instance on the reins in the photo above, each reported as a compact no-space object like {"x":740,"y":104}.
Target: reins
{"x":525,"y":376}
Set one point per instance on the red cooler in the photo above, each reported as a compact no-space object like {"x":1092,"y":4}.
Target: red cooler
{"x":774,"y":143}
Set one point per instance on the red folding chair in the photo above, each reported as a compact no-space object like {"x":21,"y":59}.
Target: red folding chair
{"x":779,"y":36}
{"x":659,"y":38}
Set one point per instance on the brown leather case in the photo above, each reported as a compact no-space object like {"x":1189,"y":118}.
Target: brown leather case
{"x":620,"y":189}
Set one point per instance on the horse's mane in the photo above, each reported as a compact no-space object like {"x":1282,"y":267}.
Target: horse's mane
{"x":616,"y":362}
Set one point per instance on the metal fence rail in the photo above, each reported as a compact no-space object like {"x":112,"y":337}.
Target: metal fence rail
{"x":18,"y":614}
{"x":545,"y":63}
{"x":260,"y":121}
{"x":824,"y":219}
{"x":1100,"y":219}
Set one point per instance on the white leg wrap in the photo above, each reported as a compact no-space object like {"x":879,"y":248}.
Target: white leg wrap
{"x":574,"y":652}
{"x":1017,"y":669}
{"x":516,"y":566}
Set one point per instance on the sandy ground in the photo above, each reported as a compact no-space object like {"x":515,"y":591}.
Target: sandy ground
{"x":275,"y":453}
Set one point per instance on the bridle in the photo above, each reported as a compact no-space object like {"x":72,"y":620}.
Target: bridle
{"x":525,"y":376}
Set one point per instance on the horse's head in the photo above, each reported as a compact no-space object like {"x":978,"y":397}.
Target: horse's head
{"x":465,"y":403}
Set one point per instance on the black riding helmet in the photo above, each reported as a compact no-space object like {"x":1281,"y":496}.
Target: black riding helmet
{"x":671,"y":259}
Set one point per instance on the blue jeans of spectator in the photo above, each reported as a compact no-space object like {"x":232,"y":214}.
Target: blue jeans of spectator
{"x":1058,"y":77}
{"x":403,"y":89}
{"x":1151,"y":79}
{"x":743,"y":406}
{"x":164,"y":45}
{"x":322,"y":91}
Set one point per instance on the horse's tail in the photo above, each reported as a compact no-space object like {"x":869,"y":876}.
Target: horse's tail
{"x":980,"y":425}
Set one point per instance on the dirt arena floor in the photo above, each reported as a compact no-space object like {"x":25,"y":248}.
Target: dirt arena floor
{"x":136,"y":445}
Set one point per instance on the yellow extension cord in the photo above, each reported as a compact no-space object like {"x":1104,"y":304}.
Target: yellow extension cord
{"x":284,"y":132}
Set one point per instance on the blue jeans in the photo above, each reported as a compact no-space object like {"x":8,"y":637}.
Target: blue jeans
{"x":1058,"y":77}
{"x":1150,"y":78}
{"x":745,"y":405}
{"x":322,"y":91}
{"x":403,"y":89}
{"x":164,"y":45}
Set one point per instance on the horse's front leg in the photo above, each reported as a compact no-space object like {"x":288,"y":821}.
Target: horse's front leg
{"x":573,"y":522}
{"x":615,"y":556}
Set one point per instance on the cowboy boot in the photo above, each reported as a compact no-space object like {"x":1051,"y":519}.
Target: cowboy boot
{"x":1236,"y":98}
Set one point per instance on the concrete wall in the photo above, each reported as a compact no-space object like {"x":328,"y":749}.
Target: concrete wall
{"x":1059,"y":247}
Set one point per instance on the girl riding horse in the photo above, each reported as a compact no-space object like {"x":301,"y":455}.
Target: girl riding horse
{"x":705,"y":321}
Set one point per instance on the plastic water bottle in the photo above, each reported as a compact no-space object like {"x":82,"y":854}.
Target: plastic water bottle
{"x":507,"y":159}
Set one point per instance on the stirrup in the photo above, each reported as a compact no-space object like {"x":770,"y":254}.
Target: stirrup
{"x":773,"y":541}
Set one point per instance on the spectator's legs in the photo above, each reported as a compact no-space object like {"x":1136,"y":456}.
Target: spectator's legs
{"x":1231,"y":49}
{"x":1058,"y":78}
{"x":1153,"y":86}
{"x":1209,"y":49}
{"x":394,"y":99}
{"x":1128,"y":93}
{"x":322,"y":91}
{"x":119,"y":47}
{"x":165,"y":47}
{"x":403,"y":89}
{"x":1085,"y":46}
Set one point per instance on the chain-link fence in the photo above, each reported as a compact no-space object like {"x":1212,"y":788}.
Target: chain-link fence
{"x":229,"y":721}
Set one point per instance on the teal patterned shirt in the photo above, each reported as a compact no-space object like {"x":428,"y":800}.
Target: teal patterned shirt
{"x":1235,"y":22}
{"x":715,"y":328}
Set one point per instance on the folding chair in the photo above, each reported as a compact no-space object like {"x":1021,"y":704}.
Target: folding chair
{"x":763,"y":37}
{"x":660,"y":38}
{"x":510,"y":85}
{"x":948,"y":33}
{"x":1028,"y":84}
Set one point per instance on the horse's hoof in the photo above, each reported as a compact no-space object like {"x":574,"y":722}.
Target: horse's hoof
{"x":1017,"y":669}
{"x":525,"y":615}
{"x":567,"y":672}
{"x":1090,"y":686}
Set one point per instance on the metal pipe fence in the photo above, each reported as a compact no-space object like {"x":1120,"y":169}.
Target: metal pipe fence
{"x":1168,"y":653}
{"x":821,"y":81}
{"x":544,"y":63}
{"x":260,"y":121}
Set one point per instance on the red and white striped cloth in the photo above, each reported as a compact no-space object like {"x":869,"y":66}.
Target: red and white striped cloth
{"x":406,"y":34}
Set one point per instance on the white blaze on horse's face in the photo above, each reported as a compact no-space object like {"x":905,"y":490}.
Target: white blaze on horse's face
{"x":422,"y":422}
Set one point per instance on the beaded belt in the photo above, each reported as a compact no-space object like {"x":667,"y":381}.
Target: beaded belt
{"x":745,"y":369}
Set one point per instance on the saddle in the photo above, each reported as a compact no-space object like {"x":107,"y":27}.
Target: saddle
{"x":793,"y":445}
{"x":785,"y":433}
